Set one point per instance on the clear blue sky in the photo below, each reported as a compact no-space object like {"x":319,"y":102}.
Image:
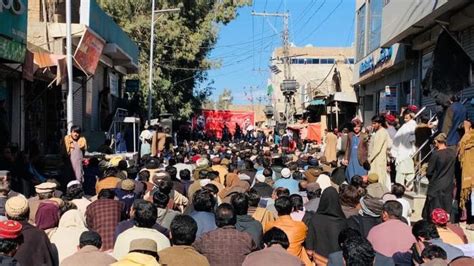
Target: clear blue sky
{"x":245,"y":45}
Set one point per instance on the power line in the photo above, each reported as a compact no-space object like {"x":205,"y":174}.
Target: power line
{"x":307,"y":8}
{"x":324,"y":20}
{"x":300,"y":29}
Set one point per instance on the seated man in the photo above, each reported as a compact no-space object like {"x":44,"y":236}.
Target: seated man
{"x":183,"y":230}
{"x":276,"y":242}
{"x":142,"y":251}
{"x":88,"y":252}
{"x":225,"y":245}
{"x":392,"y":235}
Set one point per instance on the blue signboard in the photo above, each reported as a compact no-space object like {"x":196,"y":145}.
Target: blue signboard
{"x":366,"y":65}
{"x":14,"y":19}
{"x":370,"y":63}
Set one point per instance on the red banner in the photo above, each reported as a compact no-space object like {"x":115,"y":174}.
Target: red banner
{"x":88,"y":52}
{"x":213,"y":121}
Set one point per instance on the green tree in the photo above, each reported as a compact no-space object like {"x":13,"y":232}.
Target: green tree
{"x":183,"y":41}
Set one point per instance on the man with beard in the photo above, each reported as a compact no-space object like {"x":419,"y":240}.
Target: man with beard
{"x":441,"y":175}
{"x":379,"y":144}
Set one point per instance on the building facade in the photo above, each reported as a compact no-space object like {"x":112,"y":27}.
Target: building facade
{"x":13,"y":44}
{"x":398,"y":49}
{"x":103,"y":55}
{"x":324,"y":75}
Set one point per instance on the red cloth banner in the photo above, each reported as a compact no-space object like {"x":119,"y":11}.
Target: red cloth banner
{"x":213,"y":121}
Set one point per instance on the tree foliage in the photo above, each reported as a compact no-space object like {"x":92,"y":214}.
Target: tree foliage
{"x":183,"y":41}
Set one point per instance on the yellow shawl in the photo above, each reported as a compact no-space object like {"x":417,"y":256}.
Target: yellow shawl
{"x":69,"y":143}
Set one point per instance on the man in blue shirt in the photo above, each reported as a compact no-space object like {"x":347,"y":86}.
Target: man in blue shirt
{"x":287,"y":182}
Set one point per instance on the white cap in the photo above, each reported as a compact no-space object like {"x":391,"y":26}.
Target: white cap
{"x":285,"y":173}
{"x":72,"y":183}
{"x":260,"y":178}
{"x":244,"y":177}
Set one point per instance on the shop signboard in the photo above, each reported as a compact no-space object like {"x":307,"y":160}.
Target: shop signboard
{"x":11,"y":50}
{"x":388,"y":100}
{"x":371,"y":63}
{"x":88,"y":52}
{"x":114,"y":84}
{"x":14,"y":19}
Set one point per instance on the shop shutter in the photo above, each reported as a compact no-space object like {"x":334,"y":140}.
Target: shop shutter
{"x":78,"y":104}
{"x":467,"y":41}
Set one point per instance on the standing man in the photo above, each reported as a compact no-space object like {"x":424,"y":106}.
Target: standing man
{"x":453,"y":119}
{"x":330,"y":150}
{"x":441,"y":174}
{"x":158,"y":142}
{"x":355,"y":151}
{"x":74,"y":147}
{"x":403,"y":149}
{"x":379,"y":145}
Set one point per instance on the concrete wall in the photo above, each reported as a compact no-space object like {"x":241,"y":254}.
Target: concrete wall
{"x":399,"y":15}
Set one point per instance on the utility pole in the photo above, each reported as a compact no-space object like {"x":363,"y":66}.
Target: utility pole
{"x":152,"y":48}
{"x":70,"y":91}
{"x":289,"y":85}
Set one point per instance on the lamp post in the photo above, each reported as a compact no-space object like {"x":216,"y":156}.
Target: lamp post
{"x":152,"y":47}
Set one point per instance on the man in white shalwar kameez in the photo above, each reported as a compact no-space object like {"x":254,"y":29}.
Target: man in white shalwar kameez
{"x":403,"y":149}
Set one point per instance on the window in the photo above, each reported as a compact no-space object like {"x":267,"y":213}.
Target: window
{"x":301,"y":61}
{"x":294,"y":61}
{"x":360,"y":52}
{"x":315,"y":61}
{"x":349,"y":61}
{"x":376,"y":7}
{"x":331,"y":61}
{"x":323,"y":60}
{"x":369,"y":102}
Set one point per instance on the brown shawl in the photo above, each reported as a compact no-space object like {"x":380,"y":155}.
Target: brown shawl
{"x":231,"y":181}
{"x":466,"y":157}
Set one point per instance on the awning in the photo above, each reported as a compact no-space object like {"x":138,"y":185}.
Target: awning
{"x":344,"y":96}
{"x":46,"y":60}
{"x":317,"y":102}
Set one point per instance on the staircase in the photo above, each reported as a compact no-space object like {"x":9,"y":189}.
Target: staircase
{"x":119,"y":116}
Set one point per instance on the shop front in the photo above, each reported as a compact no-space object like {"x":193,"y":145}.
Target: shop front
{"x":386,"y":80}
{"x":13,"y":26}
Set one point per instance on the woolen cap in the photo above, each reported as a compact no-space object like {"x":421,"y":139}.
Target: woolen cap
{"x":143,"y":244}
{"x":202,"y":162}
{"x":441,"y":138}
{"x":10,"y":229}
{"x":16,"y":206}
{"x":128,"y":185}
{"x":45,"y":187}
{"x":373,"y":178}
{"x":285,"y":173}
